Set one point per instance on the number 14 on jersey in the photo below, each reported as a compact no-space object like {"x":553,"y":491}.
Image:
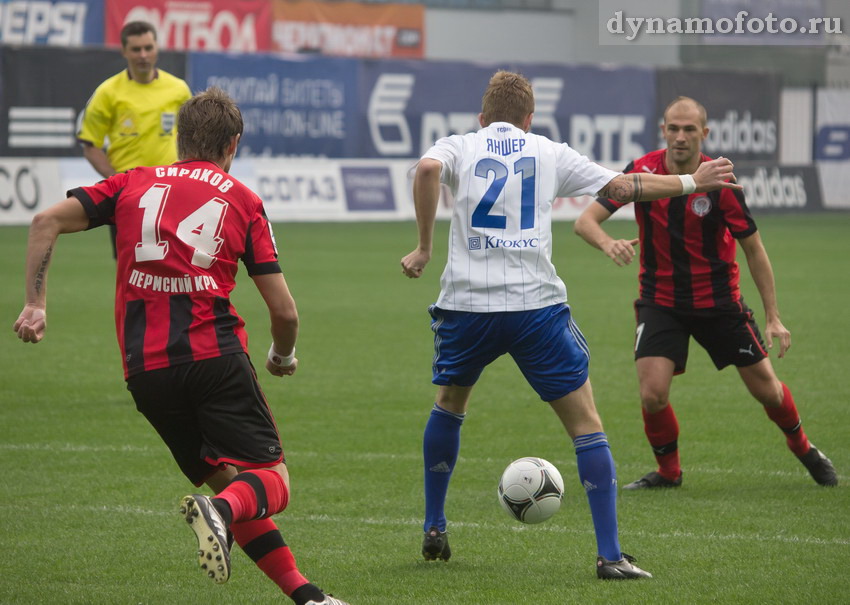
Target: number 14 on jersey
{"x":200,"y":230}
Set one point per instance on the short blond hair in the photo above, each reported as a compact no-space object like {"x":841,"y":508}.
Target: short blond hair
{"x":508,"y":98}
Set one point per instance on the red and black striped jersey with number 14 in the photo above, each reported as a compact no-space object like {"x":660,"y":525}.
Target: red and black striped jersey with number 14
{"x":687,"y":243}
{"x":181,"y":231}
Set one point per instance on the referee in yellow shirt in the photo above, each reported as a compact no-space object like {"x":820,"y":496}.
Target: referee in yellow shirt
{"x":131,"y":119}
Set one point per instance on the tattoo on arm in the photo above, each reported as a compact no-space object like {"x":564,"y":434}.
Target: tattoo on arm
{"x":621,"y":189}
{"x":42,"y":270}
{"x":624,"y":189}
{"x":638,"y":192}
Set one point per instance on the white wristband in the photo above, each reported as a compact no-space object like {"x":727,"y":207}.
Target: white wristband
{"x":689,"y":185}
{"x":279,"y":360}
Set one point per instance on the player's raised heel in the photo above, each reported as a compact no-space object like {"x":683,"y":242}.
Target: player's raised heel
{"x":624,"y":569}
{"x":209,"y":528}
{"x":435,"y":545}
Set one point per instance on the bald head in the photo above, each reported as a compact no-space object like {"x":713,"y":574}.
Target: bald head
{"x":687,"y":103}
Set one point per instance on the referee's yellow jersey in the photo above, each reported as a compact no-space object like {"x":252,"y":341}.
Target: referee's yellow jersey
{"x":138,"y":122}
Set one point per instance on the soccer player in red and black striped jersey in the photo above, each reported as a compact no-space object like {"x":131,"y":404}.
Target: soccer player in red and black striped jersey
{"x":182,"y":229}
{"x":689,"y":286}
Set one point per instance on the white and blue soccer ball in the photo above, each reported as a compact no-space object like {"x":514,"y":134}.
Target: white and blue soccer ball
{"x":531,"y":490}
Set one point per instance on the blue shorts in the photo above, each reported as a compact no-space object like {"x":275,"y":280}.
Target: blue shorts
{"x":546,"y":345}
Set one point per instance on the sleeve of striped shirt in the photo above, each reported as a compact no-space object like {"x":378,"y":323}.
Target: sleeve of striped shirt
{"x":446,"y":151}
{"x":737,"y":214}
{"x":99,"y":200}
{"x":260,"y":257}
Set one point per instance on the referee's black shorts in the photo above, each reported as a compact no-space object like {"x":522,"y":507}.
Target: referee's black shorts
{"x":209,"y":413}
{"x":728,"y":333}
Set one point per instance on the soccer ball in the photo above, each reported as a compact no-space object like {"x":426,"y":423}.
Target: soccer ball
{"x":531,"y":489}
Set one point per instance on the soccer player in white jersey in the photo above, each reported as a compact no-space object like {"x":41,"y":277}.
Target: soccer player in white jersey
{"x":500,"y":292}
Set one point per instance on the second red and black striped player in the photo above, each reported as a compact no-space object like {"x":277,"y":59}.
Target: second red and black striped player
{"x":690,"y":287}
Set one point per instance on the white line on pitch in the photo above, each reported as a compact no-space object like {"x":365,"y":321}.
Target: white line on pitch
{"x":368,"y":456}
{"x":551,"y":528}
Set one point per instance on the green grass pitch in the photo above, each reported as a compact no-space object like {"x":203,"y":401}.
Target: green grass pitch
{"x":88,"y":504}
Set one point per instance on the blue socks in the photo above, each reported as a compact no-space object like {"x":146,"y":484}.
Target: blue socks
{"x":599,"y":479}
{"x":440,"y":448}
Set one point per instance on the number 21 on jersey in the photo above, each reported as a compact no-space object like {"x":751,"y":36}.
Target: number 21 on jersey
{"x":200,"y":230}
{"x":526,"y":167}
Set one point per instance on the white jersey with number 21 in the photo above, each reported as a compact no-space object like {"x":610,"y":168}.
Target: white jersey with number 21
{"x":504,"y":182}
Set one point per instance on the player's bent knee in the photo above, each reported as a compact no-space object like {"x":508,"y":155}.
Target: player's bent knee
{"x":654,"y":400}
{"x":281,"y":470}
{"x":765,"y":387}
{"x":769,"y":396}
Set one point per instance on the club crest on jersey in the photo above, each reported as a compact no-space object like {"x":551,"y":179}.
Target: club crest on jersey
{"x":128,"y":126}
{"x":167,"y":120}
{"x":701,"y":205}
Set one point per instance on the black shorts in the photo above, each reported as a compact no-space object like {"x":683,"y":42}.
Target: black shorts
{"x":729,"y":334}
{"x":209,"y":413}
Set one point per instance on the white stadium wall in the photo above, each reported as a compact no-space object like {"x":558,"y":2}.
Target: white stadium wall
{"x":815,"y":129}
{"x":795,"y":115}
{"x":832,"y":145}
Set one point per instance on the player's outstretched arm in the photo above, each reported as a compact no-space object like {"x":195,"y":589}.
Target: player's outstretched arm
{"x":283,"y":315}
{"x":426,"y":196}
{"x":589,"y":228}
{"x":644,"y":187}
{"x":67,"y":216}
